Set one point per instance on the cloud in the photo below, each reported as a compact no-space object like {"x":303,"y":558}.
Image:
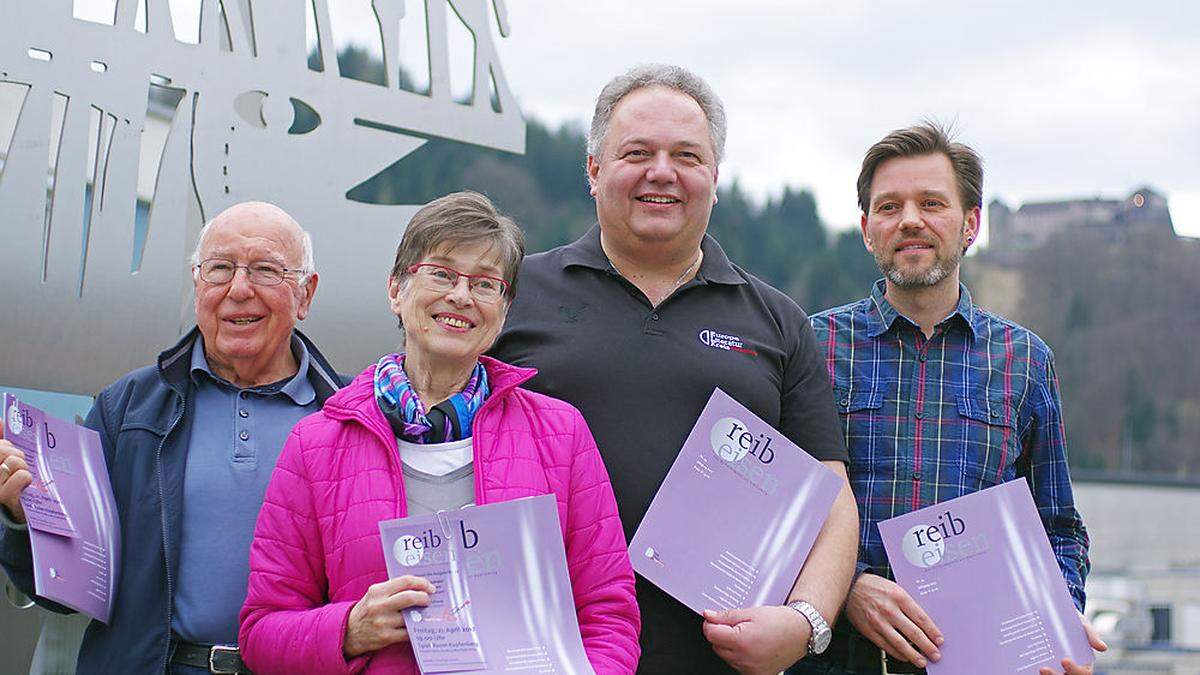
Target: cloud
{"x":1061,"y":99}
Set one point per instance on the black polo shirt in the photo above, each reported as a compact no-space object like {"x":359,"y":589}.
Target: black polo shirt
{"x":641,"y":375}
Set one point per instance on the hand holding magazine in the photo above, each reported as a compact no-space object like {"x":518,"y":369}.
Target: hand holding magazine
{"x":503,"y":599}
{"x":982,"y":568}
{"x":69,"y":507}
{"x":736,"y":515}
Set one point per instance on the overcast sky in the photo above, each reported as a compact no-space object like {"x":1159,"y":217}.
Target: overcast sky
{"x":1062,"y":99}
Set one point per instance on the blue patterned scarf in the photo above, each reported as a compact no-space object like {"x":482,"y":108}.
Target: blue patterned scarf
{"x":448,"y":421}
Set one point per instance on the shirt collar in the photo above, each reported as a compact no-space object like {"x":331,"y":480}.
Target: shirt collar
{"x":297,"y":387}
{"x":587,"y":252}
{"x":883,"y":314}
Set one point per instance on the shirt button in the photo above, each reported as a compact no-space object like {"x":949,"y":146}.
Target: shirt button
{"x":995,"y":413}
{"x":923,"y":358}
{"x":243,"y":414}
{"x":244,"y":395}
{"x":920,"y":415}
{"x":245,"y":435}
{"x":654,"y":316}
{"x":846,"y":401}
{"x":916,"y":477}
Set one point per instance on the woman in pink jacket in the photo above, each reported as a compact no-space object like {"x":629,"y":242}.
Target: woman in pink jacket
{"x":436,"y":427}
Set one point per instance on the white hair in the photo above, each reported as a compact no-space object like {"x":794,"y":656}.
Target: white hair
{"x":307,"y":266}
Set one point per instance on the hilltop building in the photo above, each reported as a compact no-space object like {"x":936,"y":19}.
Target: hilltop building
{"x":1011,"y":233}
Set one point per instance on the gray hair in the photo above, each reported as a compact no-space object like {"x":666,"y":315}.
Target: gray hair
{"x":658,"y":75}
{"x":307,"y":266}
{"x":461,"y":218}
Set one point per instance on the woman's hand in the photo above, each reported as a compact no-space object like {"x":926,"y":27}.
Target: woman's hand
{"x":375,"y":620}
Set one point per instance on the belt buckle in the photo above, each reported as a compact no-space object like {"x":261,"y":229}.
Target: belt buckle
{"x":885,"y":670}
{"x":217,"y":649}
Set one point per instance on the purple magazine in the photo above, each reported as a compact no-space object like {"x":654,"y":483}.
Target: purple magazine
{"x":504,"y":601}
{"x":73,"y":527}
{"x":736,"y":515}
{"x":981,"y":566}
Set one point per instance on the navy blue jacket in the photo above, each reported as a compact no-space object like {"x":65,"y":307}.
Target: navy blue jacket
{"x":144,"y":424}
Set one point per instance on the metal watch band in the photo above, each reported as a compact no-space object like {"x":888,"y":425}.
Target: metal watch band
{"x":818,"y":640}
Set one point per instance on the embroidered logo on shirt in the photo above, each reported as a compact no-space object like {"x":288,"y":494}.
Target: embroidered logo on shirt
{"x":725,"y":341}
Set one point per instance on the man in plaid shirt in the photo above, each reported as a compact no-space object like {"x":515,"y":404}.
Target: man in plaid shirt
{"x":938,"y":397}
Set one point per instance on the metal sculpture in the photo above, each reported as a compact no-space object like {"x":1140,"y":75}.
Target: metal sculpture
{"x":88,"y":296}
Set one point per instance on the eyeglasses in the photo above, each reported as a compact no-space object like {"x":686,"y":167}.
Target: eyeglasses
{"x":219,"y":271}
{"x":441,"y":278}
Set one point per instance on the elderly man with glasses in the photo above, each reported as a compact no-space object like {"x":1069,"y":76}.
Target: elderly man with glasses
{"x":190,"y":444}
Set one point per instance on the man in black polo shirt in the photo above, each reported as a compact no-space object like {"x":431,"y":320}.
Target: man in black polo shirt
{"x":636,"y":323}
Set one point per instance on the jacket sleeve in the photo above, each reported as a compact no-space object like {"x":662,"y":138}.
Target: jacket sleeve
{"x":16,"y":554}
{"x":598,"y":561}
{"x":16,"y":557}
{"x":287,"y":624}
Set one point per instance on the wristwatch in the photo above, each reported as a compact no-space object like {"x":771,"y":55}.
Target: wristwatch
{"x":818,"y":641}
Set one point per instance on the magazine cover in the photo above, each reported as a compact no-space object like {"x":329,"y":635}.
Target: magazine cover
{"x":73,"y":527}
{"x":982,"y":568}
{"x":503,"y":601}
{"x":736,"y":515}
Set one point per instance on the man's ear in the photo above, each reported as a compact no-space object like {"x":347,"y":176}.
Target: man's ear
{"x":593,"y":173}
{"x":970,"y":228}
{"x":309,"y":289}
{"x":866,"y":237}
{"x":195,"y":286}
{"x":716,"y":171}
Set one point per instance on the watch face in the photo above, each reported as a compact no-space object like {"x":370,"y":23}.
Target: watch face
{"x":820,"y":641}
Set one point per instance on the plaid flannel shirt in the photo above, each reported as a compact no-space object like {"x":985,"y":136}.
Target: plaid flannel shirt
{"x":928,"y":420}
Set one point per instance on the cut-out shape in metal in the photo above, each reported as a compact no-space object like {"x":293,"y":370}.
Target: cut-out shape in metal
{"x":126,"y":140}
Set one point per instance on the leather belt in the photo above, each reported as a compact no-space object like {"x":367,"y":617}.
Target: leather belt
{"x":214,"y":658}
{"x":893,"y":667}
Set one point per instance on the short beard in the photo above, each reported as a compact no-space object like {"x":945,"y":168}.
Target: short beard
{"x":931,"y":277}
{"x":942,"y":268}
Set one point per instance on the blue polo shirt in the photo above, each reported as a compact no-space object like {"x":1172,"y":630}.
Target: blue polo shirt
{"x":236,"y":438}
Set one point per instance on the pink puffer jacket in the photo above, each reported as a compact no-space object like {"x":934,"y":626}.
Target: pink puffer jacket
{"x":316,"y":546}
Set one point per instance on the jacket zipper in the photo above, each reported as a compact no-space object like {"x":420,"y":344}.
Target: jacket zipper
{"x":162,"y":506}
{"x":480,"y":498}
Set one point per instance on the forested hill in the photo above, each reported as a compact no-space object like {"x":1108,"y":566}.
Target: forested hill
{"x":781,"y":241}
{"x":1121,"y":319}
{"x":545,"y":190}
